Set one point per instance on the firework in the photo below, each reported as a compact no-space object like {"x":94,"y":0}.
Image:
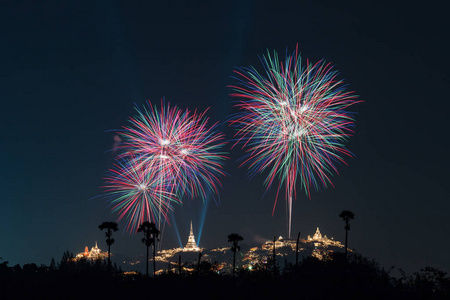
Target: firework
{"x":178,"y":145}
{"x":293,"y":122}
{"x":137,"y":195}
{"x":165,"y":155}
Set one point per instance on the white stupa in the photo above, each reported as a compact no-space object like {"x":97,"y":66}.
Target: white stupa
{"x":191,"y":244}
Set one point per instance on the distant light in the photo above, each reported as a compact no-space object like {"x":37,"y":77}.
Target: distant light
{"x":164,"y":142}
{"x":142,"y":186}
{"x":162,"y":156}
{"x":184,"y":151}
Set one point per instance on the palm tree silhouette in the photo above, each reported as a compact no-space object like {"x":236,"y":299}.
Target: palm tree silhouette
{"x":150,"y":238}
{"x":110,"y":227}
{"x":235,"y":239}
{"x":296,"y":250}
{"x":346,"y":215}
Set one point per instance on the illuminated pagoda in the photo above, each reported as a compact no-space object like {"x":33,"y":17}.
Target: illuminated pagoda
{"x":94,"y":254}
{"x":318,"y":239}
{"x":191,"y":244}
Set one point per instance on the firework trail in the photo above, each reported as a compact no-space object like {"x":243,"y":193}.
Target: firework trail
{"x":293,"y":122}
{"x":176,"y":147}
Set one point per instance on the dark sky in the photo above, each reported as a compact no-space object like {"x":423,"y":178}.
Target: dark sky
{"x":71,"y":72}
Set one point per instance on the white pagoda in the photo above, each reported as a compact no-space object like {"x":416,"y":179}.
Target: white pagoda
{"x":191,"y":244}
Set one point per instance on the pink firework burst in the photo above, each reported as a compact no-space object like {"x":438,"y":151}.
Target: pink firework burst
{"x":166,"y":155}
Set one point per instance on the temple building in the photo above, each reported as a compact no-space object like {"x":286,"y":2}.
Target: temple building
{"x":94,"y":254}
{"x":318,"y":246}
{"x":320,"y":240}
{"x":317,"y":240}
{"x":322,"y":245}
{"x":168,"y":254}
{"x":191,"y":244}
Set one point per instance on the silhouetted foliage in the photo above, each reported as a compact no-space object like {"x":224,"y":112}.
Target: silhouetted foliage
{"x":151,"y":234}
{"x":66,"y":261}
{"x":110,"y":227}
{"x":432,"y":283}
{"x":356,"y":277}
{"x":52,"y":266}
{"x":234,"y":238}
{"x":346,"y":216}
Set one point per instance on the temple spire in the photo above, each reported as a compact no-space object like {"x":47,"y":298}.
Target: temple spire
{"x":191,"y":244}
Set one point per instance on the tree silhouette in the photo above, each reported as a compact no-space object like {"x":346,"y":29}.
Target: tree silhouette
{"x":110,"y":227}
{"x":296,"y":250}
{"x":274,"y":258}
{"x":235,"y":239}
{"x":52,"y":266}
{"x":198,"y":264}
{"x":150,"y":238}
{"x":346,"y":215}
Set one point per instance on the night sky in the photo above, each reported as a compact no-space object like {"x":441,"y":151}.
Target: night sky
{"x":71,"y":74}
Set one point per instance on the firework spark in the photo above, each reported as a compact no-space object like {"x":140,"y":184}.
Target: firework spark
{"x":293,"y":122}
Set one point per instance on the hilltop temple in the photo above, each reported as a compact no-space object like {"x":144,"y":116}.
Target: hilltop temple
{"x":317,"y":239}
{"x":94,"y":254}
{"x":191,"y":244}
{"x":318,"y":246}
{"x":320,"y":240}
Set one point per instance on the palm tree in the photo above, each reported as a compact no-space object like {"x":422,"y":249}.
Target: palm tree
{"x":110,"y":227}
{"x":273,"y":258}
{"x":296,"y":250}
{"x":150,"y":238}
{"x":235,"y":239}
{"x":346,"y":215}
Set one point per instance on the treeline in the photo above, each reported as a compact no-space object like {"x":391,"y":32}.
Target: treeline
{"x":356,"y":277}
